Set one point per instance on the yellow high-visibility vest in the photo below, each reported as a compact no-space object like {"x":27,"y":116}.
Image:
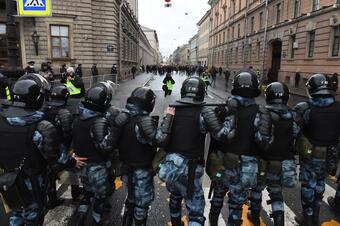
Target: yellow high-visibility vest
{"x":72,"y":89}
{"x":8,"y":94}
{"x":205,"y":78}
{"x":169,"y":85}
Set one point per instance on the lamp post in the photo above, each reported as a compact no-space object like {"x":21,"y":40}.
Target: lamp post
{"x":35,"y":39}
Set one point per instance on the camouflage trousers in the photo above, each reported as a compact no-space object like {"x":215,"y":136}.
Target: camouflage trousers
{"x":143,"y":193}
{"x":94,"y":177}
{"x":174,"y":171}
{"x":31,"y":215}
{"x":312,"y":177}
{"x":239,"y":180}
{"x":274,"y":183}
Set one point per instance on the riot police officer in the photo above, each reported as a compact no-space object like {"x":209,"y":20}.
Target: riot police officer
{"x":57,"y":114}
{"x":276,"y":131}
{"x":240,"y":156}
{"x":139,"y":139}
{"x":28,"y":144}
{"x":183,"y":165}
{"x":319,"y":120}
{"x":92,"y":139}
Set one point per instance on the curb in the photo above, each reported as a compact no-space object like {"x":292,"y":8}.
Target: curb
{"x":149,"y":80}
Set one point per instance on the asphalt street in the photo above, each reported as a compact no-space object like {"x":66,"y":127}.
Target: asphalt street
{"x":159,"y":213}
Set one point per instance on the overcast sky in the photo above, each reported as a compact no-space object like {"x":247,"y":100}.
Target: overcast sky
{"x":173,"y":26}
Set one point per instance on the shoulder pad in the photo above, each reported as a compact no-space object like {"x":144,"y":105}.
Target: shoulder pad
{"x":66,"y":118}
{"x":121,"y":119}
{"x":100,"y":127}
{"x":46,"y":127}
{"x":114,"y":111}
{"x":232,"y":102}
{"x":301,"y":107}
{"x":49,"y":134}
{"x":275,"y":117}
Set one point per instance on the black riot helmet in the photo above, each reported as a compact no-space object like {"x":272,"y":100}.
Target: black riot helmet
{"x":193,"y":90}
{"x":59,"y":95}
{"x":277,"y":93}
{"x":320,"y":85}
{"x":144,"y":98}
{"x":107,"y":85}
{"x":245,"y":84}
{"x":97,"y":98}
{"x":27,"y":94}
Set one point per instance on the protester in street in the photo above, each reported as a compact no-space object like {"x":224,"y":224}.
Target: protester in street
{"x":94,"y":73}
{"x":30,"y":67}
{"x":45,"y":72}
{"x":79,"y":71}
{"x":133,"y":71}
{"x":319,"y":120}
{"x":139,"y":139}
{"x":168,"y":82}
{"x":206,"y":80}
{"x":114,"y":73}
{"x":297,"y":79}
{"x":226,"y":77}
{"x":63,"y":69}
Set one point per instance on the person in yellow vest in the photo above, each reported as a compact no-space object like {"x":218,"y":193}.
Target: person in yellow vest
{"x":168,"y":84}
{"x":76,"y":88}
{"x":206,"y":80}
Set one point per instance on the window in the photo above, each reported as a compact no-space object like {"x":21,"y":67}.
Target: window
{"x":278,"y":13}
{"x":231,"y":56}
{"x":236,"y":55}
{"x":60,"y":41}
{"x":224,"y":37}
{"x":239,"y":5}
{"x":251,"y":24}
{"x":234,"y":6}
{"x":296,"y":8}
{"x":311,"y":44}
{"x":316,"y":5}
{"x":292,"y":39}
{"x":238,"y":30}
{"x":3,"y":42}
{"x":219,"y":38}
{"x":261,"y":20}
{"x":336,"y":41}
{"x":258,"y":50}
{"x":233,"y":33}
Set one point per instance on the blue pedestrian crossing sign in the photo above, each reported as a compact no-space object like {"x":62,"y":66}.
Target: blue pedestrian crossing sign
{"x":34,"y":8}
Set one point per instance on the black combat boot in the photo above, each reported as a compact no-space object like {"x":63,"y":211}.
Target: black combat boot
{"x":334,"y":203}
{"x":279,"y":218}
{"x":140,"y":222}
{"x":213,"y":219}
{"x":176,"y":221}
{"x":304,"y":220}
{"x":316,"y":213}
{"x":254,"y":216}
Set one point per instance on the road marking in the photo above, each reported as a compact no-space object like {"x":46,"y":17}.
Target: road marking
{"x":221,"y":221}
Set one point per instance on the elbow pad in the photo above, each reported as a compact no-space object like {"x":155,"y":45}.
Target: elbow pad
{"x":299,"y":111}
{"x":147,"y":127}
{"x":167,"y":124}
{"x":51,"y":141}
{"x":65,"y":117}
{"x":99,"y":130}
{"x":211,"y":120}
{"x":265,"y":124}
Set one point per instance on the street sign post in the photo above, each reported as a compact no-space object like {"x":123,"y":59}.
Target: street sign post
{"x":34,"y":8}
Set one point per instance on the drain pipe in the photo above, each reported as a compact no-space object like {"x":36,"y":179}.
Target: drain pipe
{"x":264,"y":43}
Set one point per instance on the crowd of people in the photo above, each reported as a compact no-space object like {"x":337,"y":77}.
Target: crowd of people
{"x":252,"y":148}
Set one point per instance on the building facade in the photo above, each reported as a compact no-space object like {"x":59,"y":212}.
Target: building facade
{"x":83,"y":32}
{"x":184,"y":54}
{"x":279,"y":37}
{"x":203,"y":39}
{"x":193,"y":50}
{"x":147,"y":54}
{"x":152,"y":36}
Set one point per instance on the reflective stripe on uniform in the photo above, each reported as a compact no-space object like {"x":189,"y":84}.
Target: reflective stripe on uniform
{"x":8,"y":94}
